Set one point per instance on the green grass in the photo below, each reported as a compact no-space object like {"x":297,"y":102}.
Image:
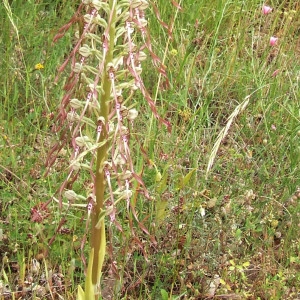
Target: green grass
{"x":239,"y":222}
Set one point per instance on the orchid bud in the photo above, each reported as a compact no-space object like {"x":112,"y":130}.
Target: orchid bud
{"x":35,"y":266}
{"x":123,"y":130}
{"x":70,"y":195}
{"x":129,"y":27}
{"x":133,"y":47}
{"x":77,"y":68}
{"x":144,"y":5}
{"x":87,"y":18}
{"x":85,"y":51}
{"x":134,"y":87}
{"x":143,"y":23}
{"x":125,"y":176}
{"x":120,"y":160}
{"x":141,"y":4}
{"x":126,"y":194}
{"x":97,"y":4}
{"x":118,"y":61}
{"x":124,"y":111}
{"x":100,"y":21}
{"x":142,"y":56}
{"x":132,"y":114}
{"x":110,"y":67}
{"x":75,"y":103}
{"x":111,"y":127}
{"x":72,"y":116}
{"x":76,"y":165}
{"x":138,"y":70}
{"x":101,"y":120}
{"x":82,"y":141}
{"x":107,"y":164}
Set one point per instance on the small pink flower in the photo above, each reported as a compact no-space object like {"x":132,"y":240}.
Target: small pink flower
{"x":266,"y":9}
{"x":273,"y":40}
{"x":275,"y":73}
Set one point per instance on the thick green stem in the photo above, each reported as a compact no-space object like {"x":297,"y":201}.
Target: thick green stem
{"x":98,"y":239}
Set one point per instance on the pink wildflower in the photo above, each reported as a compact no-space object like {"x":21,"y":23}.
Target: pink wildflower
{"x":275,"y":73}
{"x":273,"y":40}
{"x":266,"y":9}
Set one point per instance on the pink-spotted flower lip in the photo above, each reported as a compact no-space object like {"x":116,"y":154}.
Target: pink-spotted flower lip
{"x":273,"y":40}
{"x":266,"y":9}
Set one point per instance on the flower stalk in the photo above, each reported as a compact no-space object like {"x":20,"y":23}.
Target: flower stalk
{"x":98,"y":239}
{"x":96,"y":117}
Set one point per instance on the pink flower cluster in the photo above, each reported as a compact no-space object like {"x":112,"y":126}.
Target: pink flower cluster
{"x":266,"y":10}
{"x":273,"y":40}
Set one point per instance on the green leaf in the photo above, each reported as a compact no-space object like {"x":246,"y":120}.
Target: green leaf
{"x":161,"y":211}
{"x":185,"y":180}
{"x":238,"y":233}
{"x":164,"y":294}
{"x":89,"y":286}
{"x":246,"y":264}
{"x":294,"y":259}
{"x":101,"y":217}
{"x":158,"y":176}
{"x":162,"y":185}
{"x":80,"y":294}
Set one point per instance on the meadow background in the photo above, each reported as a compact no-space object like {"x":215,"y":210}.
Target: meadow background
{"x":230,"y":233}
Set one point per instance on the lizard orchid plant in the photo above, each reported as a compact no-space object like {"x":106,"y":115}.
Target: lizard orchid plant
{"x":96,"y":116}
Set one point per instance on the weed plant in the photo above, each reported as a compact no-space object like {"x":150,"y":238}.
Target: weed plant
{"x":225,"y":185}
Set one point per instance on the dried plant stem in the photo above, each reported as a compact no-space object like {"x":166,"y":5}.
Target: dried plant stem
{"x":166,"y":51}
{"x":225,"y":130}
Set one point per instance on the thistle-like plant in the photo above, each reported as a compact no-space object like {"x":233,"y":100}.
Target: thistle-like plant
{"x":96,"y":116}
